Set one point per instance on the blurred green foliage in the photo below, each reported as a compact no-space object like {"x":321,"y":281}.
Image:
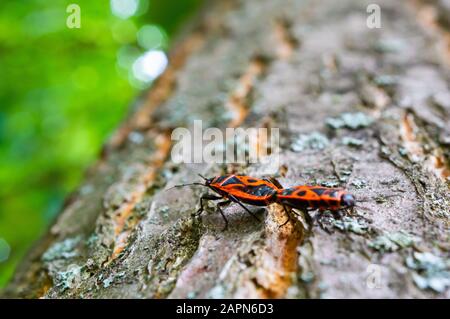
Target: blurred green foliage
{"x":62,"y":92}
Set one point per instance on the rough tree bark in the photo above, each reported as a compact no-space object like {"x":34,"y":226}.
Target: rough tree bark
{"x":368,"y":109}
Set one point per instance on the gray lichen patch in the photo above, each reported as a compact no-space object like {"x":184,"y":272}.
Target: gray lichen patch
{"x":65,"y":264}
{"x":65,"y":249}
{"x":164,"y":212}
{"x":355,"y":225}
{"x":69,"y":278}
{"x":351,"y":121}
{"x":431,"y":271}
{"x":392,"y":241}
{"x":331,"y":182}
{"x":352,"y":142}
{"x":217,"y":292}
{"x":385,"y":80}
{"x":312,"y":141}
{"x":111,"y":278}
{"x":359,"y":183}
{"x":390,"y":45}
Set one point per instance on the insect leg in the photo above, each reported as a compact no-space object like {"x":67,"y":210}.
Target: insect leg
{"x":219,"y":207}
{"x":351,"y":210}
{"x":203,"y":198}
{"x":306,"y":215}
{"x":288,"y":217}
{"x":337,"y":214}
{"x":234,"y":199}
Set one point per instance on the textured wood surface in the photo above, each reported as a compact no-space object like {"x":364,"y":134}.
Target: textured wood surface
{"x":366,"y":109}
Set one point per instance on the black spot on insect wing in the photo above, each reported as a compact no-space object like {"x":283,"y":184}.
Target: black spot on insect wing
{"x":300,"y":193}
{"x":232,"y":180}
{"x":260,"y":190}
{"x":333,"y":194}
{"x":319,"y":191}
{"x":287,"y":191}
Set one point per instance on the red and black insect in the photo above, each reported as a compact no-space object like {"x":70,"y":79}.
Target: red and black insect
{"x":305,"y":197}
{"x":243,"y":189}
{"x":240,"y":189}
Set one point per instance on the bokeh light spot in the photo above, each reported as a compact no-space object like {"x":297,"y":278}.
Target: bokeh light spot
{"x":150,"y":65}
{"x":126,"y":55}
{"x":124,"y":9}
{"x":151,"y":37}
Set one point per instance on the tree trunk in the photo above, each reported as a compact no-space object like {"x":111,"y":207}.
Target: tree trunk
{"x":361,"y":108}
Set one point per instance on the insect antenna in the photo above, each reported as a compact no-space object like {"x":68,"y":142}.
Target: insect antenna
{"x":376,"y":198}
{"x":364,"y":208}
{"x":183,"y":185}
{"x":203,"y":177}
